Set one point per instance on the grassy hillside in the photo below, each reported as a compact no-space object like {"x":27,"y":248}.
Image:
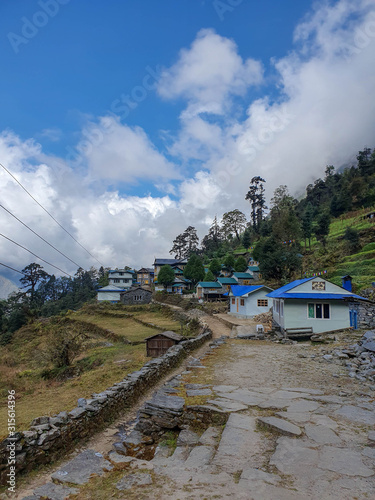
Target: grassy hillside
{"x":106,"y":357}
{"x":339,"y":259}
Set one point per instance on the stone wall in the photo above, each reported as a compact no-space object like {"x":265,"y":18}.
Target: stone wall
{"x":143,"y":297}
{"x":50,"y":437}
{"x":366,"y":313}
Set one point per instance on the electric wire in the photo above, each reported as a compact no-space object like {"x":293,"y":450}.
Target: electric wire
{"x":45,"y":241}
{"x":35,"y":255}
{"x":52,"y":217}
{"x":1,"y":264}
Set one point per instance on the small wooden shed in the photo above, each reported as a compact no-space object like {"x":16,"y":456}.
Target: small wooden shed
{"x":158,"y":344}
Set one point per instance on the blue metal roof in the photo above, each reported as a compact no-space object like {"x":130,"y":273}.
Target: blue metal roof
{"x":316,"y":296}
{"x":286,"y":288}
{"x":240,"y":290}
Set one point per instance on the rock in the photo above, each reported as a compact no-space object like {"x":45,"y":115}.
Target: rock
{"x":196,"y":386}
{"x":116,"y":458}
{"x":369,"y":346}
{"x":39,"y":421}
{"x":132,"y":480}
{"x":54,"y":491}
{"x":328,"y":357}
{"x":198,"y":392}
{"x":187,"y":438}
{"x":200,"y":457}
{"x":227,"y":404}
{"x":280,"y":426}
{"x":77,"y":412}
{"x":343,"y":461}
{"x":252,"y":474}
{"x":356,"y":415}
{"x":194,"y":362}
{"x":294,"y":457}
{"x":40,"y":428}
{"x":80,"y":469}
{"x":210,"y":436}
{"x":81,"y":402}
{"x":321,"y":434}
{"x":371,"y":436}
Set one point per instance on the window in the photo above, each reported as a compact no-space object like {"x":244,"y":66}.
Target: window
{"x":242,"y":302}
{"x":281,"y":308}
{"x":116,"y":281}
{"x":318,"y":311}
{"x":276,"y":306}
{"x":246,"y":282}
{"x":262,"y":302}
{"x":233,"y":300}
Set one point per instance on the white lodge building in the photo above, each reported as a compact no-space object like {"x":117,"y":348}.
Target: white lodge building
{"x":314,"y":303}
{"x":119,"y":281}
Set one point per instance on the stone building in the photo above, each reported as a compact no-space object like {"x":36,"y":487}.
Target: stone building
{"x":136,"y":296}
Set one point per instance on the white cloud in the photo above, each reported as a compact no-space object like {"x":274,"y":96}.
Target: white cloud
{"x":208,"y":73}
{"x":118,"y":152}
{"x":324,"y":113}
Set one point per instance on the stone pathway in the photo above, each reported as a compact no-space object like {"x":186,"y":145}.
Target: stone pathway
{"x":293,"y":431}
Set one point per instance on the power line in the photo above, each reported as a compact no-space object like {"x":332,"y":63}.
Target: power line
{"x":52,"y":217}
{"x":45,"y":241}
{"x":35,"y":255}
{"x":10,"y":268}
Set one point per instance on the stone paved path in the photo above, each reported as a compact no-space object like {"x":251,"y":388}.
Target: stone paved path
{"x":296,"y":429}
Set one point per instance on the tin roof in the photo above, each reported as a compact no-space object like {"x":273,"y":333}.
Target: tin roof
{"x":168,"y":334}
{"x":209,"y":284}
{"x":243,"y":275}
{"x":240,"y":290}
{"x":227,"y":281}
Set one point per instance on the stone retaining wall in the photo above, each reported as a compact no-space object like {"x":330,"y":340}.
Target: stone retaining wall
{"x":366,"y":313}
{"x":50,"y":437}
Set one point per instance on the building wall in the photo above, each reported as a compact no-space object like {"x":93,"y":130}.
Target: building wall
{"x":137,"y":296}
{"x":250,"y":307}
{"x":329,"y":287}
{"x":296,"y":315}
{"x":111,"y":296}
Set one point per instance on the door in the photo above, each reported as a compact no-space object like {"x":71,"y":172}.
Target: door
{"x":353,"y":319}
{"x":237,"y":303}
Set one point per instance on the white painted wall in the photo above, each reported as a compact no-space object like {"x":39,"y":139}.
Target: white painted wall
{"x":250,"y":307}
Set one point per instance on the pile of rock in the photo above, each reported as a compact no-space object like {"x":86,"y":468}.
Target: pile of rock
{"x":358,"y":358}
{"x":265,"y":319}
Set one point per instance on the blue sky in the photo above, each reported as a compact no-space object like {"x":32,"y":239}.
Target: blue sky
{"x":92,"y":52}
{"x":131,"y":120}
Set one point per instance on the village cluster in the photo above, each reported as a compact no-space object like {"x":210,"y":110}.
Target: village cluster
{"x":310,"y":305}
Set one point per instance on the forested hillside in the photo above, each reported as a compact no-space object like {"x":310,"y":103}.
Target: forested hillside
{"x":329,"y":231}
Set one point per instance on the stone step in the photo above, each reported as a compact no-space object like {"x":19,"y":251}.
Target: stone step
{"x":199,"y":457}
{"x":239,"y":445}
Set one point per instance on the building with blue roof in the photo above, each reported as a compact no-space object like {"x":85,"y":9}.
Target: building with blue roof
{"x":249,"y":301}
{"x":313,"y":303}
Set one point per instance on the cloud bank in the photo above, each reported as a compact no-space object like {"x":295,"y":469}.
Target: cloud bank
{"x":321,"y":112}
